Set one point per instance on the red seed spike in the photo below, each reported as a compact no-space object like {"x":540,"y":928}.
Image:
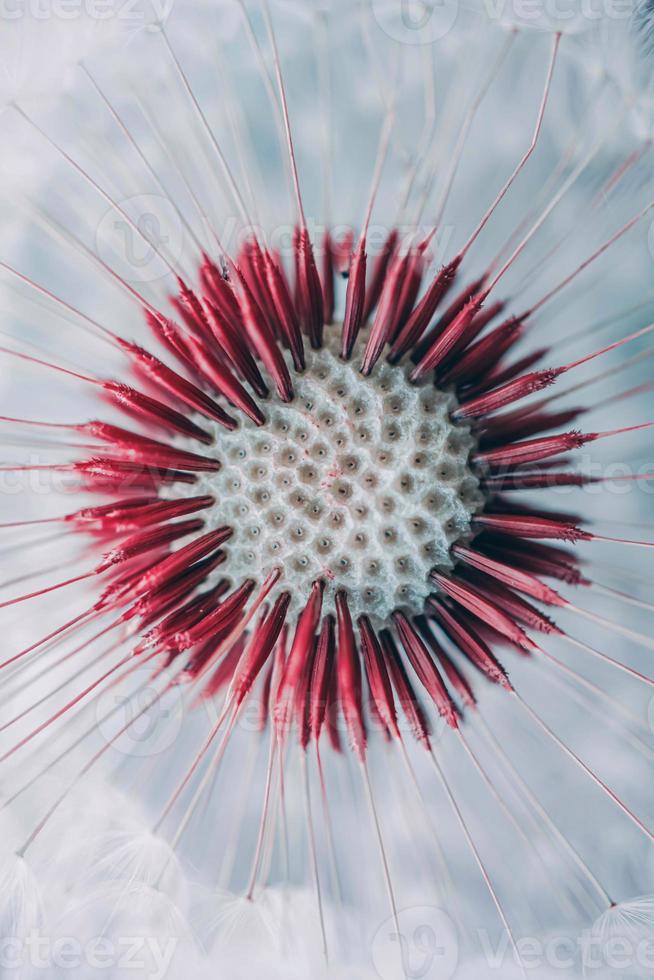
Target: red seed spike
{"x":471,"y":598}
{"x":379,"y":681}
{"x":457,"y":679}
{"x":447,"y":341}
{"x":182,"y":559}
{"x":537,"y":558}
{"x":513,"y":577}
{"x":218,"y":287}
{"x":328,"y":276}
{"x":301,"y":649}
{"x":537,"y":481}
{"x":379,"y":272}
{"x":533,"y":450}
{"x":532,"y":526}
{"x":322,"y":677}
{"x":406,"y":695}
{"x":287,"y":317}
{"x":218,"y":621}
{"x":183,"y":617}
{"x":423,"y":313}
{"x":457,"y":305}
{"x":192,"y":311}
{"x":354,"y":300}
{"x":343,"y":248}
{"x":259,"y":650}
{"x":168,"y":333}
{"x":409,"y":289}
{"x":264,"y":342}
{"x":382,"y":327}
{"x":250,"y":261}
{"x":231,"y":340}
{"x":104,"y":475}
{"x":144,"y":541}
{"x":224,"y":672}
{"x":168,"y":596}
{"x":150,"y":411}
{"x":225,"y":382}
{"x":518,"y":425}
{"x":333,"y":716}
{"x":426,"y":669}
{"x":302,"y":705}
{"x":506,"y":394}
{"x":128,"y":515}
{"x":349,"y":678}
{"x":461,"y":631}
{"x":148,"y":452}
{"x":499,"y":374}
{"x":513,"y":605}
{"x":172,"y":382}
{"x":485,"y":352}
{"x":309,"y":289}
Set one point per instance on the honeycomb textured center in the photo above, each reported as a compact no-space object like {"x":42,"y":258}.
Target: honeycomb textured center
{"x":363,"y":482}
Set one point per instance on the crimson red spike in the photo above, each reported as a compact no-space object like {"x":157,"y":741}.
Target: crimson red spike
{"x":302,"y":700}
{"x":186,"y":615}
{"x":537,"y":481}
{"x":301,"y":648}
{"x":500,"y":374}
{"x":406,"y":695}
{"x":177,"y":562}
{"x":533,"y":450}
{"x":170,"y":336}
{"x":218,"y":620}
{"x":343,"y":248}
{"x":225,"y":382}
{"x":348,"y":668}
{"x":486,"y":352}
{"x":513,"y":577}
{"x":379,"y":272}
{"x":221,"y":293}
{"x":379,"y":681}
{"x":148,"y":452}
{"x":516,"y":425}
{"x":455,"y":676}
{"x":487,"y":611}
{"x":129,"y":515}
{"x":409,"y":289}
{"x":461,"y":631}
{"x":322,"y":677}
{"x":286,"y":315}
{"x":327,"y":277}
{"x":426,"y":669}
{"x":457,"y":305}
{"x":447,"y":341}
{"x":192,"y":311}
{"x":149,"y":410}
{"x":176,"y":385}
{"x":532,"y":526}
{"x":423,"y":313}
{"x":382,"y":326}
{"x":536,"y":557}
{"x":168,"y":596}
{"x":144,"y":541}
{"x":104,"y":475}
{"x":264,"y":342}
{"x":309,"y":289}
{"x":354,"y":300}
{"x":250,"y":264}
{"x":232,"y":340}
{"x":506,"y":394}
{"x":513,"y":605}
{"x":259,"y":650}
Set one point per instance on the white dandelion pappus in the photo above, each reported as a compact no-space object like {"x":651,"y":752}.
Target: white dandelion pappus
{"x":334,"y":306}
